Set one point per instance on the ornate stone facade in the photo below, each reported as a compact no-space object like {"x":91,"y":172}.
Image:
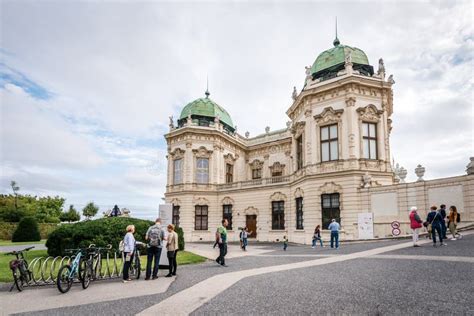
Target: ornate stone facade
{"x":327,"y":116}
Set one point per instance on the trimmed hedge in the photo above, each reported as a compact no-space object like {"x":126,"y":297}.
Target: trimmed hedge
{"x":27,"y":230}
{"x":109,"y":230}
{"x":7,"y":229}
{"x":180,"y":233}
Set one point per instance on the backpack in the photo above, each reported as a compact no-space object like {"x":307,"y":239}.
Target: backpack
{"x":458,"y":218}
{"x":121,"y":246}
{"x":155,"y":236}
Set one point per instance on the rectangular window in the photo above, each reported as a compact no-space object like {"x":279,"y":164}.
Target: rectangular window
{"x":330,"y":209}
{"x":175,"y":219}
{"x":299,"y":152}
{"x":369,"y":137}
{"x":299,"y":213}
{"x":229,"y":173}
{"x":177,"y":168}
{"x":257,"y":173}
{"x":329,"y":143}
{"x":200,"y":218}
{"x":278,"y":215}
{"x":202,"y":170}
{"x":227,"y":214}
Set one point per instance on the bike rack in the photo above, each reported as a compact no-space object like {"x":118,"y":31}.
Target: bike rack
{"x":44,"y":270}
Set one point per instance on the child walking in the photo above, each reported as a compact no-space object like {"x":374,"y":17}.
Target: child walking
{"x":285,"y":242}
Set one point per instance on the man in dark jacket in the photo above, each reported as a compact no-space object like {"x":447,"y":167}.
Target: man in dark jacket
{"x":442,"y":211}
{"x":434,"y":218}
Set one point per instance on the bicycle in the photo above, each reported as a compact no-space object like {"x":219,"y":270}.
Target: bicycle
{"x":136,"y":266}
{"x":92,"y":267}
{"x":68,"y":272}
{"x":19,"y":266}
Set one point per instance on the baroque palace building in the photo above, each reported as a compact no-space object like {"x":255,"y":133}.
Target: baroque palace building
{"x":331,"y":161}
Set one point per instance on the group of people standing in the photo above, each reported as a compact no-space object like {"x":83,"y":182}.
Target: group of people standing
{"x":435,"y":223}
{"x":156,"y":238}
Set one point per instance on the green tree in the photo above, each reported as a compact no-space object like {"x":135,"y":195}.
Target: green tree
{"x":70,"y":216}
{"x":15,"y":189}
{"x":90,"y":210}
{"x":27,"y":230}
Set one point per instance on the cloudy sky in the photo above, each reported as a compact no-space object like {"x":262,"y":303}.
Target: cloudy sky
{"x":86,"y":87}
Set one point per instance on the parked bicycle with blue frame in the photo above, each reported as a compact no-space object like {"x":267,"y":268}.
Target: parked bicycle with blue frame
{"x":68,"y":272}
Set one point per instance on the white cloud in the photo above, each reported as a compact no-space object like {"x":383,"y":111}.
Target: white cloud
{"x":117,"y":70}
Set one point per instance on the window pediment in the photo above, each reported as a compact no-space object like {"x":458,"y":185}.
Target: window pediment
{"x":277,"y":167}
{"x":177,"y":154}
{"x":299,"y":193}
{"x":229,"y":158}
{"x":329,"y":116}
{"x":369,"y":113}
{"x":330,"y":187}
{"x":200,"y":201}
{"x":202,"y":152}
{"x":227,"y":201}
{"x":256,"y":164}
{"x":298,"y":128}
{"x":278,"y":196}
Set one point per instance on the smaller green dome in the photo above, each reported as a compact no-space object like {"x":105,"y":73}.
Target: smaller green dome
{"x":206,"y":108}
{"x":334,"y":59}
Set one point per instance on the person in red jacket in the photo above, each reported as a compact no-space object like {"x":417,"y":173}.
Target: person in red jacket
{"x":415,"y":224}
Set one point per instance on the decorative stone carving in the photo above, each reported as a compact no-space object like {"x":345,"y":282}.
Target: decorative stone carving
{"x":251,"y":211}
{"x":266,"y":156}
{"x":278,"y":196}
{"x":171,"y":125}
{"x":390,"y":79}
{"x":176,"y":202}
{"x":369,"y":113}
{"x":381,"y":70}
{"x":200,"y":200}
{"x":366,"y":180}
{"x":329,"y":115}
{"x":402,"y":174}
{"x":299,"y":193}
{"x":256,"y":164}
{"x":420,"y":172}
{"x":288,"y":124}
{"x":277,"y":167}
{"x":247,"y":134}
{"x":177,"y":154}
{"x":348,"y":59}
{"x":350,"y":101}
{"x":227,"y":201}
{"x":229,"y":158}
{"x":267,"y":129}
{"x":202,"y":152}
{"x":294,"y":95}
{"x":308,"y":112}
{"x":470,"y":166}
{"x":189,"y":120}
{"x":389,"y":124}
{"x":298,"y":128}
{"x":217,"y":119}
{"x":352,"y":146}
{"x":330,"y":187}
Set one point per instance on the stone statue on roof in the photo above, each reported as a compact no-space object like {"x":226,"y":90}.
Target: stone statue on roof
{"x":295,"y":93}
{"x":381,"y":70}
{"x":349,"y":58}
{"x":390,"y":79}
{"x":171,"y":125}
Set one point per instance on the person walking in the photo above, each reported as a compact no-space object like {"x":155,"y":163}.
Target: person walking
{"x":155,"y":236}
{"x":334,"y":227}
{"x":285,"y":243}
{"x":245,"y":236}
{"x":452,"y":220}
{"x":128,"y":249}
{"x":172,"y":250}
{"x":317,"y":236}
{"x":221,"y":239}
{"x":434,"y":218}
{"x":415,"y":224}
{"x":442,"y":211}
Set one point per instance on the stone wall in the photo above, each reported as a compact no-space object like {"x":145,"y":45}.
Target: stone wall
{"x":392,"y":202}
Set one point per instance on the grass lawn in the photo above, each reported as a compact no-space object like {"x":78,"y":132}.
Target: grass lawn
{"x":184,"y":257}
{"x":10,"y":243}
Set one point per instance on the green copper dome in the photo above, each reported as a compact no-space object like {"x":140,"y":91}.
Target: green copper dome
{"x":206,"y":109}
{"x":333,"y":60}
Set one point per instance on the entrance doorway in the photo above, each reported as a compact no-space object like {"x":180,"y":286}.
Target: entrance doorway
{"x":251,"y":223}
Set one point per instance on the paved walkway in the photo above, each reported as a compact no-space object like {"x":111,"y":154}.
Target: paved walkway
{"x":384,"y":277}
{"x":32,"y":299}
{"x":20,"y":247}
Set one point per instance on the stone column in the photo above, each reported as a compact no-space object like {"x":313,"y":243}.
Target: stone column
{"x":188,"y":174}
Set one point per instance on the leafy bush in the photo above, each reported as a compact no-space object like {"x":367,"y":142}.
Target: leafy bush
{"x":45,"y":209}
{"x":27,"y":230}
{"x":70,"y":216}
{"x":101,"y":232}
{"x":180,"y":233}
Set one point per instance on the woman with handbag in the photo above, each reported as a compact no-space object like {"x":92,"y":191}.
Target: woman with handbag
{"x":172,"y":250}
{"x":452,"y":219}
{"x":415,"y":224}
